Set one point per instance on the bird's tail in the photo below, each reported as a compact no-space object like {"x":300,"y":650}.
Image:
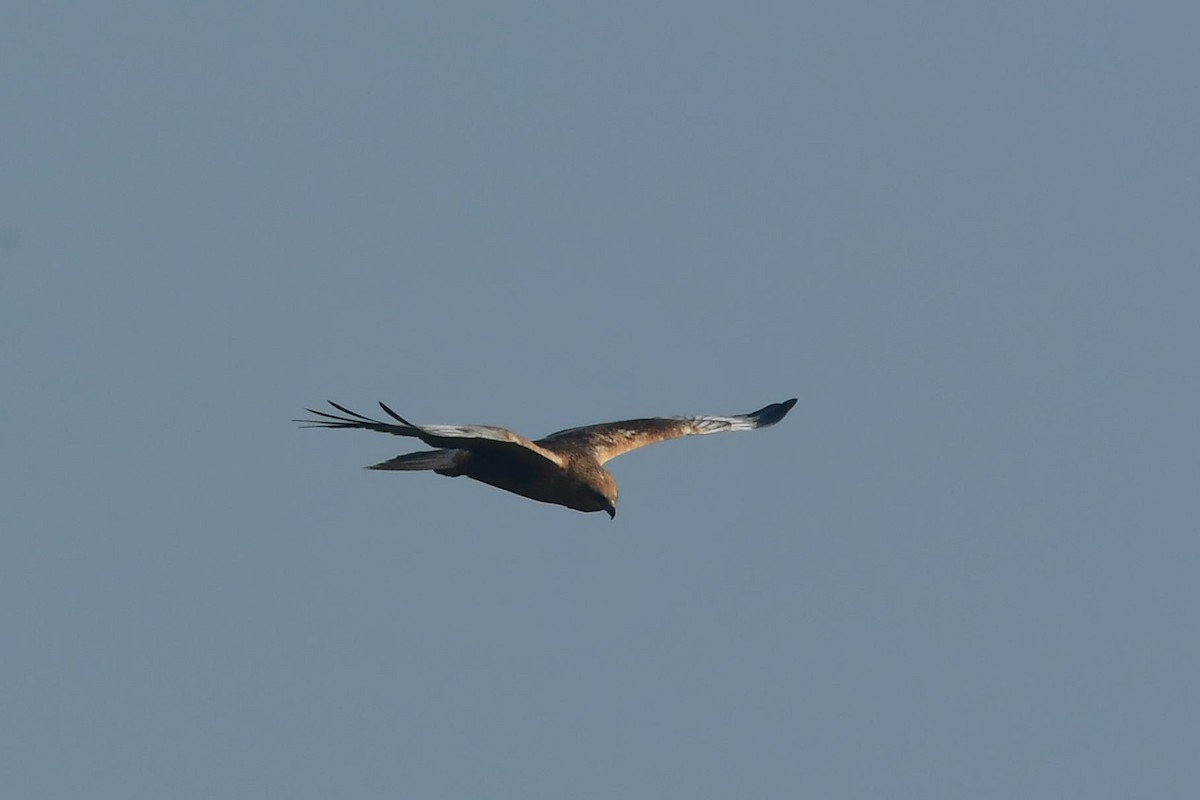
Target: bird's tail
{"x":426,"y":459}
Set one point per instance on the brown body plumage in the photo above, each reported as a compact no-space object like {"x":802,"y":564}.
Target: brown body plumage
{"x":565,"y":468}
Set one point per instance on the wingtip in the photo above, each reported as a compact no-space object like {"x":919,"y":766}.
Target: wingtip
{"x":769,"y":415}
{"x":394,"y":415}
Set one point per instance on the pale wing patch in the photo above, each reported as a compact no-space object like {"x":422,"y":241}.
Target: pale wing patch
{"x":488,"y":432}
{"x":702,"y":425}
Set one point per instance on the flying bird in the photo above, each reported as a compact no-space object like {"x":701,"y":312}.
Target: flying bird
{"x":565,"y":468}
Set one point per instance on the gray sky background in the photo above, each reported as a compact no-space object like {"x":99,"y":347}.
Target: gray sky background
{"x":964,"y":235}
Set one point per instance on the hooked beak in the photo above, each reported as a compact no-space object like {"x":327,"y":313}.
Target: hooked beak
{"x":612,"y":511}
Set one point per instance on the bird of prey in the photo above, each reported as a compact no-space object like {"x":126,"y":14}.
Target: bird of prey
{"x":565,"y":468}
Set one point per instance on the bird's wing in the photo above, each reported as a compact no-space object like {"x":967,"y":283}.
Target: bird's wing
{"x":454,"y":437}
{"x":610,"y":439}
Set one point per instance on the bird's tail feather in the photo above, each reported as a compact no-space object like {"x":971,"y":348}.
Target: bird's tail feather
{"x":426,"y":459}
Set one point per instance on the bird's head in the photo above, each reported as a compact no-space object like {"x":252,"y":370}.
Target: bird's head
{"x":600,"y":494}
{"x":607,"y":497}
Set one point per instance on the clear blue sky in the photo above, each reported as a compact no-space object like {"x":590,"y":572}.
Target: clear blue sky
{"x":964,"y":235}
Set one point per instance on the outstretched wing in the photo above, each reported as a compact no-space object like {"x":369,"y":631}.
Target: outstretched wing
{"x":452,"y":437}
{"x":610,"y":439}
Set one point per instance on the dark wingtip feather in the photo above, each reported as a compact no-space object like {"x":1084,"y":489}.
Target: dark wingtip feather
{"x":394,"y":415}
{"x":769,"y":415}
{"x":353,"y":420}
{"x":345,"y":410}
